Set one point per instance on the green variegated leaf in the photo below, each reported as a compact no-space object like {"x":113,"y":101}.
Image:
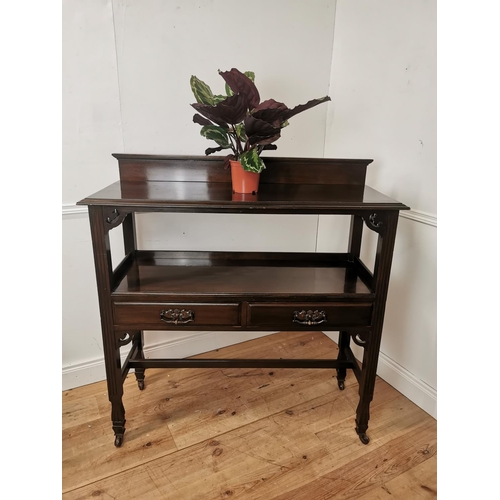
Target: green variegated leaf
{"x":217,"y":134}
{"x":285,"y":124}
{"x":252,"y":162}
{"x":219,"y":98}
{"x":201,"y":91}
{"x":229,"y":92}
{"x":240,"y":132}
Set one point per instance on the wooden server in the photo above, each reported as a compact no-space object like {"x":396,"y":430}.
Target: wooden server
{"x":241,"y":291}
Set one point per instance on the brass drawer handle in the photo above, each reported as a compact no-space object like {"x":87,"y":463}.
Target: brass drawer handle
{"x":309,"y":317}
{"x":177,"y":316}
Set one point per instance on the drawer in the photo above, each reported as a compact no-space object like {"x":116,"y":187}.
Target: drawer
{"x":324,"y":316}
{"x":159,"y":316}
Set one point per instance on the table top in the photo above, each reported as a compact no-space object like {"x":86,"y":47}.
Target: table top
{"x":201,"y":184}
{"x":218,"y":196}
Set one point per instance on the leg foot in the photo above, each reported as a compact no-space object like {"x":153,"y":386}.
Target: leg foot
{"x":139,"y":376}
{"x":363,"y":437}
{"x":362,"y":424}
{"x":118,"y":419}
{"x":340,"y":384}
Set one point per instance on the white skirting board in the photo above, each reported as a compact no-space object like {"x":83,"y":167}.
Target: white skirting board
{"x":93,"y":371}
{"x":417,"y":391}
{"x":394,"y":374}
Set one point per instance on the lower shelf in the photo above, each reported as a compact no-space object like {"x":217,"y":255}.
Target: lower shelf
{"x":243,"y":274}
{"x":235,"y":291}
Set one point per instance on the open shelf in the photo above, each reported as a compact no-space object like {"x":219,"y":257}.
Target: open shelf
{"x":243,"y":274}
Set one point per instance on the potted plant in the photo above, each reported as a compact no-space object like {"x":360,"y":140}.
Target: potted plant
{"x":239,"y":121}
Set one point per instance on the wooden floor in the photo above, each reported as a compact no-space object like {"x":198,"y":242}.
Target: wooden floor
{"x":248,"y":433}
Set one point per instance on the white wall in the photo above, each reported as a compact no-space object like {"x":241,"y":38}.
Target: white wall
{"x":383,"y":89}
{"x":127,"y":66}
{"x":126,"y":89}
{"x":91,"y":101}
{"x":91,"y":130}
{"x":160,"y":44}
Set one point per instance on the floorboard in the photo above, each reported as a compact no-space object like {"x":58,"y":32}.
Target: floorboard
{"x":248,"y":433}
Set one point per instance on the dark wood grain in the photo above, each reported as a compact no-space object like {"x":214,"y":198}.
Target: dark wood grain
{"x":140,"y":168}
{"x":238,"y":291}
{"x":240,"y":363}
{"x":147,"y":315}
{"x":104,"y":278}
{"x":381,"y":275}
{"x":217,"y":197}
{"x":272,"y":259}
{"x":338,"y":315}
{"x":241,"y":281}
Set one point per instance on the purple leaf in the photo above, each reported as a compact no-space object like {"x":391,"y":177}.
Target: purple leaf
{"x":231,"y":110}
{"x":271,"y":111}
{"x":200,"y":120}
{"x":226,"y":163}
{"x":302,"y":107}
{"x":260,"y":132}
{"x":239,"y":83}
{"x":209,"y":151}
{"x":264,"y":140}
{"x":210,"y":113}
{"x":270,"y":104}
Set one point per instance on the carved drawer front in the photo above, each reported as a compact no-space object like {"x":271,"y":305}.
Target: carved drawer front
{"x":323,"y":316}
{"x":160,"y":316}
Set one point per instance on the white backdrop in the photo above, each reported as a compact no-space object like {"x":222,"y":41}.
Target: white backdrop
{"x":126,"y":70}
{"x":383,"y":89}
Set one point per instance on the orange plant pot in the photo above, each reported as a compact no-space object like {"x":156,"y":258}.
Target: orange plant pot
{"x":243,"y":181}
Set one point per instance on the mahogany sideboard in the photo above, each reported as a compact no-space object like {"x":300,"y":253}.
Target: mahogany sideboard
{"x":241,"y":291}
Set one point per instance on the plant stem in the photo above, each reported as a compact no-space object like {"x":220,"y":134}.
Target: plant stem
{"x":232,"y":144}
{"x":238,"y":142}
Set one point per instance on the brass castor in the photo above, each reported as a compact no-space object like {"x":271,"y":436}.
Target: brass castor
{"x":341,"y":384}
{"x":118,"y":440}
{"x":140,"y":383}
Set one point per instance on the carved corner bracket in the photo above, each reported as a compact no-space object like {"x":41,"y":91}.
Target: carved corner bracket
{"x":360,"y":339}
{"x":113,"y":217}
{"x":124,"y":339}
{"x":374,"y":221}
